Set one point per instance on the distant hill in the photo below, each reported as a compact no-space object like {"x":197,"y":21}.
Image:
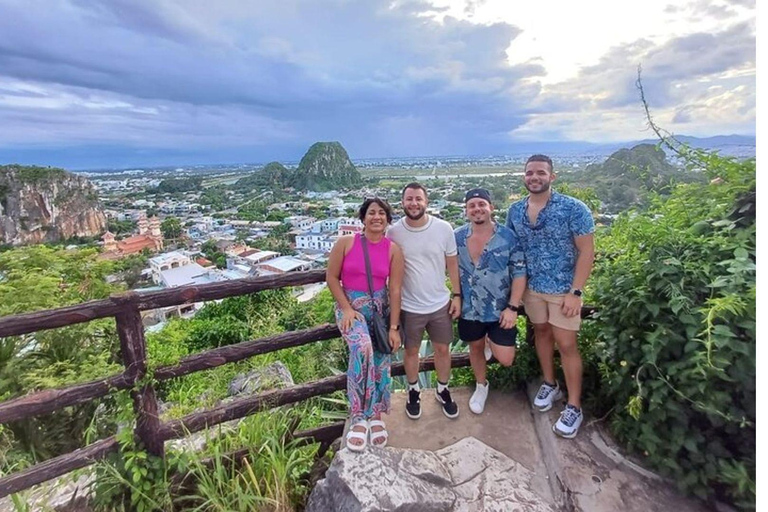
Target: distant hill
{"x":623,"y":179}
{"x":44,"y":204}
{"x":325,"y":166}
{"x":274,"y":175}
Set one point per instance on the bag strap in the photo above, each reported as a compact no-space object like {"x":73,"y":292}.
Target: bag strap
{"x":368,"y":270}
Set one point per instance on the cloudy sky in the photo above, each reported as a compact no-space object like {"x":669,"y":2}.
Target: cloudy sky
{"x":113,"y":83}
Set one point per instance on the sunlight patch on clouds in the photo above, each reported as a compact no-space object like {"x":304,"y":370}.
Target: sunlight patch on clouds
{"x":568,"y":36}
{"x":614,"y":126}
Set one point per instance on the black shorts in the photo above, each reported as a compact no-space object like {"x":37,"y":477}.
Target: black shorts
{"x":472,"y":330}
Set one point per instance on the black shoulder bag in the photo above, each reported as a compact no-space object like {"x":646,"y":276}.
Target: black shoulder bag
{"x":378,"y":327}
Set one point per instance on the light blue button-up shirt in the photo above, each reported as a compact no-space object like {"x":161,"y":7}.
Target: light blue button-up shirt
{"x":485,"y":287}
{"x":550,"y":250}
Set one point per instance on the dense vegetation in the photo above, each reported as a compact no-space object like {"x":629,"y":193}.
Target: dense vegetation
{"x":175,"y":185}
{"x":676,"y":290}
{"x":32,"y":174}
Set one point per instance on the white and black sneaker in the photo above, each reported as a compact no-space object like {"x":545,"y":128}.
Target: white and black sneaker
{"x":568,"y":424}
{"x":547,"y":396}
{"x":450,"y":409}
{"x":413,"y":405}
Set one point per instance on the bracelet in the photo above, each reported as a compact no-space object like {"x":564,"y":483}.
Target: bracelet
{"x":455,"y":295}
{"x":394,"y":327}
{"x":516,"y":309}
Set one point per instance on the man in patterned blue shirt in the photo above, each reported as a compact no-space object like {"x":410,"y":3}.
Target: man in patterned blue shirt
{"x":492,"y":274}
{"x":557,"y":234}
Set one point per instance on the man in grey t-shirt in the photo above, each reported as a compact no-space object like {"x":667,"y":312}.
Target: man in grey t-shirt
{"x":429,"y":249}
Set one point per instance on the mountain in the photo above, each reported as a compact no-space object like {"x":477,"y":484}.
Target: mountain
{"x":325,"y":166}
{"x":623,"y":179}
{"x":44,"y":204}
{"x":274,"y":175}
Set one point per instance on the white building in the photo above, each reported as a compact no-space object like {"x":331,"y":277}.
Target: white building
{"x":301,"y":222}
{"x":167,"y":261}
{"x":282,"y":265}
{"x":319,"y":241}
{"x":349,"y":226}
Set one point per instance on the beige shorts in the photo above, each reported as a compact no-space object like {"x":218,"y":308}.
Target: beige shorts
{"x":543,"y":308}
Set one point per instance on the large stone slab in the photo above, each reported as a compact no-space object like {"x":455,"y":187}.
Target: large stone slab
{"x":593,"y":475}
{"x":467,"y":476}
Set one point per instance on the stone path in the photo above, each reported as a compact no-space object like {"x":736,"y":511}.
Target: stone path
{"x":507,"y":458}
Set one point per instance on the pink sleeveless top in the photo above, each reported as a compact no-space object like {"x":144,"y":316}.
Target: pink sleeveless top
{"x":353,"y":276}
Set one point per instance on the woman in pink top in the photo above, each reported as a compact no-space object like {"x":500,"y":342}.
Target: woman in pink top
{"x":368,"y":376}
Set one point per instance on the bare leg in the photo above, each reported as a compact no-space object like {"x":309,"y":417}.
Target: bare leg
{"x":442,"y":361}
{"x":411,"y":363}
{"x":504,"y":355}
{"x":477,"y":359}
{"x":545,"y":350}
{"x":572,"y":365}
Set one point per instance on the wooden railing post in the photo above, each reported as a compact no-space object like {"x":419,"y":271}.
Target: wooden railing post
{"x":133,"y":349}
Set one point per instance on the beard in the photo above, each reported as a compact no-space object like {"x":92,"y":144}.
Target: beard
{"x":417,"y":216}
{"x":544,"y":187}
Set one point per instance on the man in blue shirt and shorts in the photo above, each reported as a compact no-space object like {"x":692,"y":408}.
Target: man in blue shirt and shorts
{"x":492,"y":273}
{"x":557,"y":235}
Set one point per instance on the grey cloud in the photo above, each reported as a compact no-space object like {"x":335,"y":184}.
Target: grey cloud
{"x":749,"y":4}
{"x":276,"y":71}
{"x":682,"y":115}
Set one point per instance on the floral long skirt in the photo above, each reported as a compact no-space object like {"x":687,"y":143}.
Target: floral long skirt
{"x":368,"y":375}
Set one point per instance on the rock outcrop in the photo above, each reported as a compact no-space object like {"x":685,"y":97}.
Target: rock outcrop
{"x":325,"y":166}
{"x":272,"y":376}
{"x":39,"y":204}
{"x":466,"y":476}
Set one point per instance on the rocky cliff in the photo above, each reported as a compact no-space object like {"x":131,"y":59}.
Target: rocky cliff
{"x":41,"y":204}
{"x":325,"y":166}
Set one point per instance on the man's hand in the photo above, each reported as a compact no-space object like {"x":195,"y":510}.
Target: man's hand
{"x":394,"y":340}
{"x":571,"y":305}
{"x":508,"y":319}
{"x":454,"y":309}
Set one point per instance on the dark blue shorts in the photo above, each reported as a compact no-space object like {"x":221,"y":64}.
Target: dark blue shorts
{"x":472,"y":330}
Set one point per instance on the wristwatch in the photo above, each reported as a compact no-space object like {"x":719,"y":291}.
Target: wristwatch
{"x":576,"y":292}
{"x":514,"y":308}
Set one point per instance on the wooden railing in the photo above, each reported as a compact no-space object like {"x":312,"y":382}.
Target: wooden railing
{"x":126,"y":309}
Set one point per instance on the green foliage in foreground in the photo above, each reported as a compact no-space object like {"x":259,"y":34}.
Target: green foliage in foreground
{"x":676,"y":290}
{"x":270,"y":476}
{"x":42,"y":277}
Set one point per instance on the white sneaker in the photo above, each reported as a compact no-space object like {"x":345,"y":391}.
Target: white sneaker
{"x":488,"y":352}
{"x":547,"y":396}
{"x":568,"y":424}
{"x":477,"y":401}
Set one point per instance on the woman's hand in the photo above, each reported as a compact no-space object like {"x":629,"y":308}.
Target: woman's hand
{"x":394,"y":340}
{"x":348,"y":316}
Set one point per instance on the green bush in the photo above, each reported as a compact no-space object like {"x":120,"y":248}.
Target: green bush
{"x":676,"y":290}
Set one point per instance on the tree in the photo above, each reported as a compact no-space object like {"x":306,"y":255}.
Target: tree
{"x":171,"y":228}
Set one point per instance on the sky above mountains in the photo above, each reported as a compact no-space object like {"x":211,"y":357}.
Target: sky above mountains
{"x":112,"y":83}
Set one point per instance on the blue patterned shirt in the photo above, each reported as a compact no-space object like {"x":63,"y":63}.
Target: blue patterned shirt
{"x":485,"y":288}
{"x":550,"y":250}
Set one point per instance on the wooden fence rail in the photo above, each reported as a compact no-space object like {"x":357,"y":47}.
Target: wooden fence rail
{"x":126,"y":309}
